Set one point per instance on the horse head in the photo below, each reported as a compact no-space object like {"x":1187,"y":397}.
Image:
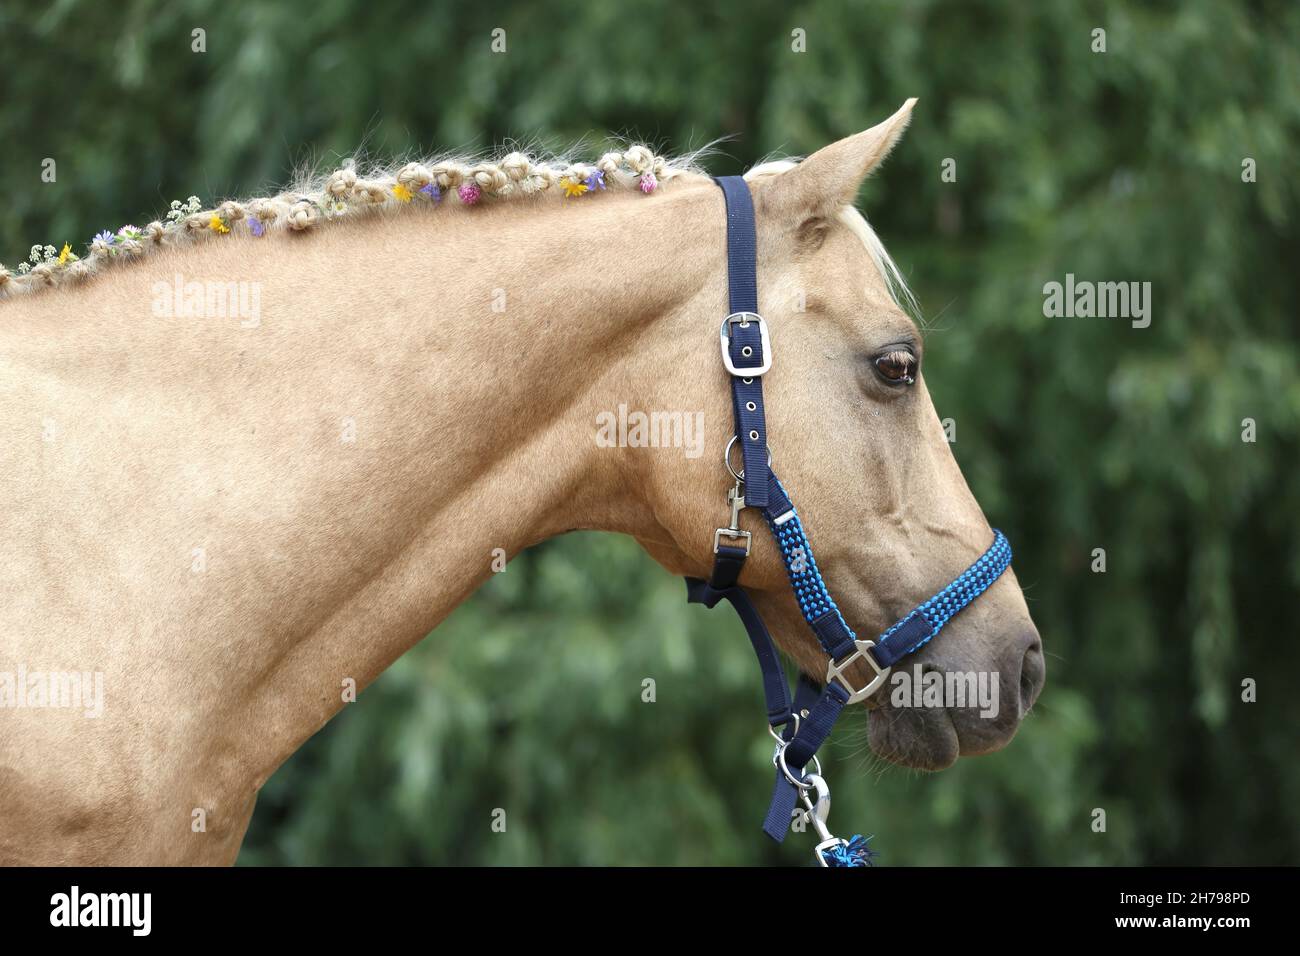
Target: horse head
{"x":854,"y":432}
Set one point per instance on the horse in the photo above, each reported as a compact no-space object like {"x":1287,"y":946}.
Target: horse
{"x":227,"y":517}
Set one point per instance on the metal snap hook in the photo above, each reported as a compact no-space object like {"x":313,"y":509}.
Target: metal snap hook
{"x":817,"y":813}
{"x":819,"y":810}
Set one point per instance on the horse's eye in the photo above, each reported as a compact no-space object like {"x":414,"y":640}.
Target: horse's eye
{"x":897,"y":367}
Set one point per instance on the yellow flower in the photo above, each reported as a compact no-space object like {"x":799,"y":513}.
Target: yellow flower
{"x":64,"y":254}
{"x":216,"y":225}
{"x":402,"y":193}
{"x":572,"y":187}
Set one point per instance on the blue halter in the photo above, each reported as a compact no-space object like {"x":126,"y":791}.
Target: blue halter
{"x":802,"y":724}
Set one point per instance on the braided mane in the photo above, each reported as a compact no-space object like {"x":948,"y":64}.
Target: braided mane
{"x":348,"y":193}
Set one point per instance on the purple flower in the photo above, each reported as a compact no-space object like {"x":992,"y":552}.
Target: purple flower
{"x":432,"y":191}
{"x":104,"y":236}
{"x":255,"y":226}
{"x":469,"y":193}
{"x":596,"y":180}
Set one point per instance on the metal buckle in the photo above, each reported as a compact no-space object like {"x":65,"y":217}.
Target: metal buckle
{"x":835,"y":671}
{"x":743,"y":319}
{"x":734,"y":534}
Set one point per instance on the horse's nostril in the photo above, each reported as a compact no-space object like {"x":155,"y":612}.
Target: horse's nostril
{"x":1033,"y":671}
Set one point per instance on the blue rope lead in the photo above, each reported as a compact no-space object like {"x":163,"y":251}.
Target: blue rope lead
{"x":854,"y":853}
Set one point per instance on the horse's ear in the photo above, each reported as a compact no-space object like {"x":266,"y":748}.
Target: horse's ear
{"x":830,"y":177}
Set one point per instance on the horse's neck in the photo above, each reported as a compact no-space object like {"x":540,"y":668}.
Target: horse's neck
{"x":301,"y":500}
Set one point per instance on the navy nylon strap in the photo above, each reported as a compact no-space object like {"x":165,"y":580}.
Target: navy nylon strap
{"x":785,"y":795}
{"x":742,"y":245}
{"x":727,"y":565}
{"x":775,"y":692}
{"x":817,"y":708}
{"x":823,"y":709}
{"x":743,"y":335}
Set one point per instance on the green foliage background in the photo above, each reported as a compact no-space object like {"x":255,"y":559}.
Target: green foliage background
{"x":1074,"y":433}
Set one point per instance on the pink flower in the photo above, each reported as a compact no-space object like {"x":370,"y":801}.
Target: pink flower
{"x":469,"y":193}
{"x":648,"y":183}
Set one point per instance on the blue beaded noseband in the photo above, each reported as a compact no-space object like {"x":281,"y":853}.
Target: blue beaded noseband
{"x":799,"y":726}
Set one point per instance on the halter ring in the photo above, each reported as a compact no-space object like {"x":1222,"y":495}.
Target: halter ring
{"x":740,"y":475}
{"x":779,"y":761}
